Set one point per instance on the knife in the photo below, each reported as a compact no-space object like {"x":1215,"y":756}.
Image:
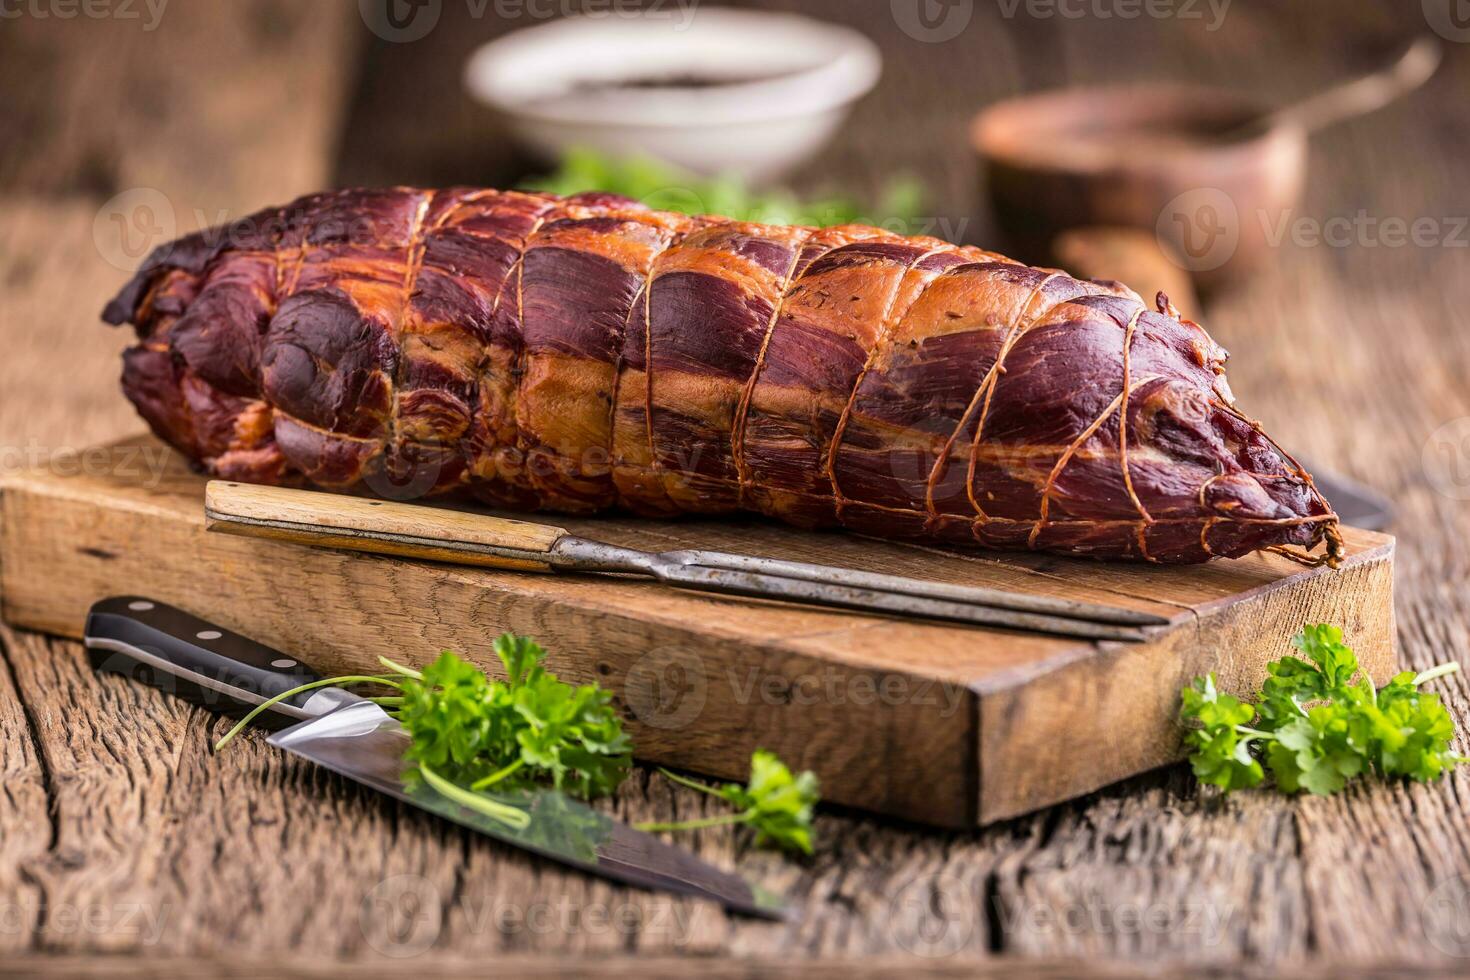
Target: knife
{"x":215,"y":668}
{"x":387,"y":527}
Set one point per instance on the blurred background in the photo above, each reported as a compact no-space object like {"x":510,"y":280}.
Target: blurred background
{"x":1335,"y":273}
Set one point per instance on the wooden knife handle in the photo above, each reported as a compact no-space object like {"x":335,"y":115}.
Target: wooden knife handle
{"x":380,"y":527}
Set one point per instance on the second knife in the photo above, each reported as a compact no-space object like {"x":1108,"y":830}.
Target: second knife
{"x":211,"y":666}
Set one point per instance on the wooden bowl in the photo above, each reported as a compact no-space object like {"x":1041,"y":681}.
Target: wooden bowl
{"x":1183,"y":163}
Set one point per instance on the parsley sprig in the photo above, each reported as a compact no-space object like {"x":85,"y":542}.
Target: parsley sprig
{"x":776,"y":803}
{"x":530,"y":729}
{"x":480,"y":741}
{"x":667,"y":188}
{"x":469,"y":733}
{"x":1313,"y":728}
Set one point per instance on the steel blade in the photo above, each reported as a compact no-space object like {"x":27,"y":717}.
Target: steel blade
{"x":361,"y":742}
{"x":724,"y":580}
{"x":903,"y":585}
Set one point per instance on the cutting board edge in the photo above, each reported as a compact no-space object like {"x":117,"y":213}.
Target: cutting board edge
{"x":948,"y":788}
{"x":1189,"y":616}
{"x":750,"y":696}
{"x":1122,"y":745}
{"x":52,"y":486}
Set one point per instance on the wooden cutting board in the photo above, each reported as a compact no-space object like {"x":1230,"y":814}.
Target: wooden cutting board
{"x":937,"y":723}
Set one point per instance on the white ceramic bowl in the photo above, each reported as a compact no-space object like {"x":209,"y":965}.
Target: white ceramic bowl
{"x":771,"y":88}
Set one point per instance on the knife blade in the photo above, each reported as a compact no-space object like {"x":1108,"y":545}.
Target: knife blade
{"x":216,"y":668}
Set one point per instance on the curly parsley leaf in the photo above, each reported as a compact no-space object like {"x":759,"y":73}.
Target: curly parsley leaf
{"x":1315,"y":753}
{"x":1324,"y":648}
{"x":776,"y":803}
{"x":1315,"y":730}
{"x":1220,"y":752}
{"x":530,"y":729}
{"x":471,"y":732}
{"x":445,"y":712}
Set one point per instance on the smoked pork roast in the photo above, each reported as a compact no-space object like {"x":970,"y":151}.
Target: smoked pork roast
{"x":585,"y":354}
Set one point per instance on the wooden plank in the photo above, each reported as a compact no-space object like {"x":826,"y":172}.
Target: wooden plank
{"x":164,"y":849}
{"x":309,"y":968}
{"x":1353,"y":354}
{"x":25,"y":814}
{"x":928,"y":721}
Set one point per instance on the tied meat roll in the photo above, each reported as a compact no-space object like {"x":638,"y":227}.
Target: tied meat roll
{"x":586,"y":353}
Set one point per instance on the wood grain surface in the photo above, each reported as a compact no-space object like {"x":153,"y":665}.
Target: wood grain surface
{"x":309,"y":517}
{"x":988,"y":723}
{"x":114,"y":815}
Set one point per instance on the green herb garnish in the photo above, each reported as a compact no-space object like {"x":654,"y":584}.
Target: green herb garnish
{"x":532,"y":728}
{"x":1312,"y":728}
{"x":776,"y":804}
{"x":470,"y":734}
{"x":667,"y":188}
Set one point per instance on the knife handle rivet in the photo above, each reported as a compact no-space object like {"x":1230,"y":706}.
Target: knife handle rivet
{"x":285,"y":663}
{"x":209,"y":634}
{"x":140,"y":605}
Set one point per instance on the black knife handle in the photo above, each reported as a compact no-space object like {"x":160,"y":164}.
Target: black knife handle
{"x":208,"y":665}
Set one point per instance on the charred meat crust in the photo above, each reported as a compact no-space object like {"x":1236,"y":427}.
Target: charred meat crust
{"x":587,"y":353}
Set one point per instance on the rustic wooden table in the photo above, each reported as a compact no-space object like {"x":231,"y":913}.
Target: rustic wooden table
{"x":121,"y":833}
